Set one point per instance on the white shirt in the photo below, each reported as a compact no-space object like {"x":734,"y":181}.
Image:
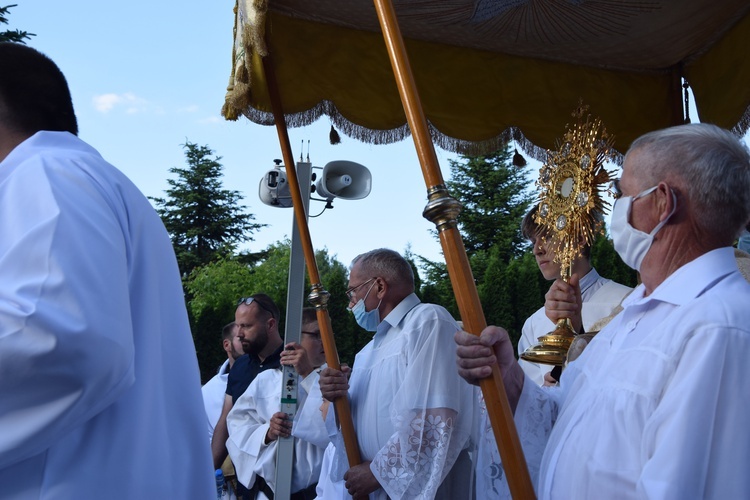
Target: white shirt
{"x":599,"y":295}
{"x":655,"y":407}
{"x":214,"y":392}
{"x":743,"y":242}
{"x":99,"y":383}
{"x":249,"y":421}
{"x":404,"y":389}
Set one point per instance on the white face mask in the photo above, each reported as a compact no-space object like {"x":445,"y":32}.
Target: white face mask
{"x":631,"y":244}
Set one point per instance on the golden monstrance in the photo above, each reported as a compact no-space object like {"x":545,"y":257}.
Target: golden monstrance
{"x":570,"y":212}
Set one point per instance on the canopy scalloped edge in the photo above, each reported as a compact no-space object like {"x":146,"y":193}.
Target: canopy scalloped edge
{"x":367,"y":135}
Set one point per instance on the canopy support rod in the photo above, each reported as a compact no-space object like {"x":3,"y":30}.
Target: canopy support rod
{"x":318,"y":296}
{"x":442,"y":209}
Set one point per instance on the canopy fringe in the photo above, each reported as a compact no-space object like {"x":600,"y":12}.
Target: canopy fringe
{"x":251,"y":25}
{"x":743,"y":125}
{"x":372,"y":136}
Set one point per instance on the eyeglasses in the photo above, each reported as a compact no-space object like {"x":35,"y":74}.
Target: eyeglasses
{"x":614,"y":189}
{"x":616,"y":192}
{"x":249,"y":300}
{"x":350,"y":292}
{"x":314,"y":335}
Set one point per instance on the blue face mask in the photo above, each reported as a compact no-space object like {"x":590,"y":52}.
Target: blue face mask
{"x":368,"y":320}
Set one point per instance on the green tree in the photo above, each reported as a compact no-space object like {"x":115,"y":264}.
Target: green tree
{"x":205,"y":221}
{"x":272,"y":277}
{"x":511,"y":291}
{"x":213,"y":291}
{"x":17,"y":36}
{"x":495,"y":198}
{"x":436,"y":287}
{"x":609,"y":264}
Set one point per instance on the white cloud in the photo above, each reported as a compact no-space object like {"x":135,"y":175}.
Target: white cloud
{"x":192,"y":108}
{"x":105,"y":103}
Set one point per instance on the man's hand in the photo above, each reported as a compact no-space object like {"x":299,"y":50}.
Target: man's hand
{"x":477,"y":354}
{"x":549,"y":380}
{"x":279,"y":426}
{"x":334,"y":383}
{"x":563,"y":300}
{"x":221,"y":434}
{"x":294,"y":355}
{"x":360,"y":481}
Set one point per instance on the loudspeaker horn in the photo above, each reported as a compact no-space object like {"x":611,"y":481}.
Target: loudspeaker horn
{"x":347,"y":180}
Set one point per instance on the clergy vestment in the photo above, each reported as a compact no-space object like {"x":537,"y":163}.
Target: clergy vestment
{"x":214,"y":393}
{"x":412,"y":413}
{"x":99,"y":383}
{"x":600,"y":296}
{"x":249,"y":421}
{"x":654,"y":407}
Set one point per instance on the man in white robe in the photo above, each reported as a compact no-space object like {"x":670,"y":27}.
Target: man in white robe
{"x":99,"y":383}
{"x":411,"y":412}
{"x":653,"y":407}
{"x":214,"y":391}
{"x":600,"y":296}
{"x":256,"y":421}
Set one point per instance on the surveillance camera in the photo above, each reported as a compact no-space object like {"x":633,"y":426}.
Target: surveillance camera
{"x":274,"y":189}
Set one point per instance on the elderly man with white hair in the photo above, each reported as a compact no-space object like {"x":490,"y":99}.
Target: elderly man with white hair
{"x":655,"y":407}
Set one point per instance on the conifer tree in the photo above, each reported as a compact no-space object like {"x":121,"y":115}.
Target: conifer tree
{"x":205,"y":221}
{"x":495,"y":196}
{"x":17,"y":36}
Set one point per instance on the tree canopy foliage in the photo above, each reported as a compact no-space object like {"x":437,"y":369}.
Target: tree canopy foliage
{"x":17,"y":36}
{"x":215,"y":287}
{"x":205,"y":221}
{"x":495,"y":196}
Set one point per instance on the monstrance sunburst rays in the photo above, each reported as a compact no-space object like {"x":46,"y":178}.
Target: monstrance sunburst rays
{"x":570,"y":210}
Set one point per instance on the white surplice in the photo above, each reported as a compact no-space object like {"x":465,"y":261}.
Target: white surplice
{"x":599,"y":295}
{"x":214,"y":392}
{"x":99,"y":383}
{"x":412,"y":413}
{"x":249,"y":421}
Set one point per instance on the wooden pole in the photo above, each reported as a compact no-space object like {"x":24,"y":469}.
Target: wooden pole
{"x":318,"y":296}
{"x":443,"y":210}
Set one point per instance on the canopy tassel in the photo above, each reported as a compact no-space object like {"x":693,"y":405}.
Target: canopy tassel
{"x":334,"y":136}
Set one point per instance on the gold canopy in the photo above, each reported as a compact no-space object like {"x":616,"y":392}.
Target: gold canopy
{"x":491,"y":70}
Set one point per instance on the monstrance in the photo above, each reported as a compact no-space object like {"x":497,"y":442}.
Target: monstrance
{"x":570,"y":212}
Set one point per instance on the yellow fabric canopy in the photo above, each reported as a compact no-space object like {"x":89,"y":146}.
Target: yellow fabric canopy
{"x":493,"y":70}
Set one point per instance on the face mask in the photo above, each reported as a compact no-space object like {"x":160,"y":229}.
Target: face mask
{"x":368,"y":320}
{"x":631,"y":244}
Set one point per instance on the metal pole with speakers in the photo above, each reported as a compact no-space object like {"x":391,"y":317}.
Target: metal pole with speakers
{"x":339,"y":179}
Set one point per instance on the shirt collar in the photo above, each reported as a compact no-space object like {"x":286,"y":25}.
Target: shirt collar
{"x":690,"y":280}
{"x":589,"y":279}
{"x":397,"y":314}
